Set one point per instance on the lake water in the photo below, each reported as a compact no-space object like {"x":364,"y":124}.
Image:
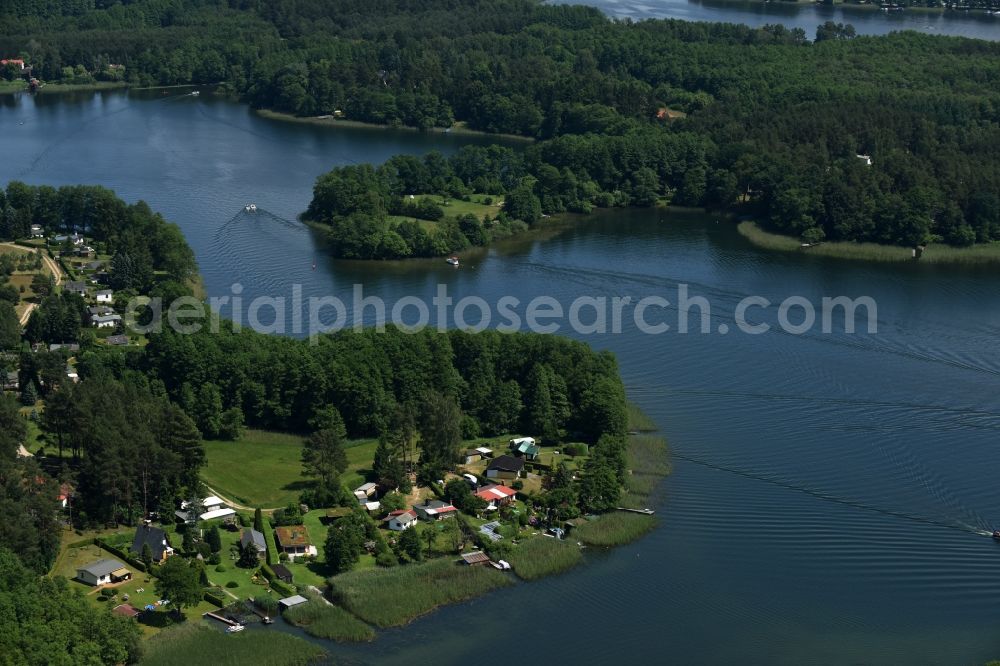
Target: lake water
{"x":830,"y":490}
{"x":867,"y":20}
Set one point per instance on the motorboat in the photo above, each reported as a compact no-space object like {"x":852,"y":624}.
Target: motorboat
{"x":250,"y":208}
{"x":233,"y":628}
{"x":452,"y":260}
{"x":996,"y":534}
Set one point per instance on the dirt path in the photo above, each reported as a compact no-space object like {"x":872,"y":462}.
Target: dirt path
{"x":235,"y":505}
{"x":53,"y":269}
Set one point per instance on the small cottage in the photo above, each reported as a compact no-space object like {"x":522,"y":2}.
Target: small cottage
{"x":402,"y":520}
{"x":434,"y":510}
{"x":505,"y":467}
{"x":294,"y":541}
{"x":103,"y":572}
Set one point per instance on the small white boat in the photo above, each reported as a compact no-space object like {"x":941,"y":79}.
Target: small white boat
{"x":250,"y":208}
{"x":452,"y":260}
{"x":233,"y":628}
{"x":195,"y":93}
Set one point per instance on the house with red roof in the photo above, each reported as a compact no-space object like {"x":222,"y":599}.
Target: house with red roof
{"x":17,"y":62}
{"x":402,"y":520}
{"x":496,"y":496}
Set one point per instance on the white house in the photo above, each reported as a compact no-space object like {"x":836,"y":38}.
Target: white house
{"x":37,"y":231}
{"x":103,"y":572}
{"x":496,"y":496}
{"x":106,"y":321}
{"x":71,"y":374}
{"x":402,"y":520}
{"x":866,"y":158}
{"x":105,"y":296}
{"x":518,"y":441}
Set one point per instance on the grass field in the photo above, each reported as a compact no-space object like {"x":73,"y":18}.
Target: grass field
{"x":260,"y":469}
{"x":394,"y":597}
{"x":934,"y":254}
{"x":322,"y":620}
{"x":542,"y":556}
{"x":194,"y":643}
{"x":614,"y":529}
{"x":265,"y":468}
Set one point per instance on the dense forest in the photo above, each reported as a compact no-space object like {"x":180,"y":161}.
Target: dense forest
{"x":500,"y":382}
{"x":759,"y":118}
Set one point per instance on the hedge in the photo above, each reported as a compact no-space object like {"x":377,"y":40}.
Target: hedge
{"x":81,"y":544}
{"x":276,"y":584}
{"x":129,"y":559}
{"x":212,"y":597}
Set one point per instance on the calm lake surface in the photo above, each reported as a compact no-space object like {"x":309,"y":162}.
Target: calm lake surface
{"x":867,"y":20}
{"x":830,"y":491}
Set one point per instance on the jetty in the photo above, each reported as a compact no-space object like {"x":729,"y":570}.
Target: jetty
{"x":224,"y":620}
{"x":645,"y":512}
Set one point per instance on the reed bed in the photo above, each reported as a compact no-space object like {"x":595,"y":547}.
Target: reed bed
{"x":320,"y":619}
{"x":396,"y":596}
{"x":934,"y":253}
{"x":542,"y":556}
{"x":614,"y":529}
{"x":197,"y":644}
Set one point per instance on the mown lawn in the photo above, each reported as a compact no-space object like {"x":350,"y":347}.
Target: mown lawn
{"x":242,"y":577}
{"x":193,"y":643}
{"x":265,"y":468}
{"x":259,"y":469}
{"x":394,"y":597}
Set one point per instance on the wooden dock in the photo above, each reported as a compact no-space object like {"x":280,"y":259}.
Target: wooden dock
{"x":645,"y":512}
{"x":220,"y":619}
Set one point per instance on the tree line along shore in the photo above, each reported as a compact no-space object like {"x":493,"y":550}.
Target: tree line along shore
{"x":889,"y":139}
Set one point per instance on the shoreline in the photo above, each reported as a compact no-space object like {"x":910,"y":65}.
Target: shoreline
{"x":329,"y":121}
{"x":935,"y":253}
{"x":860,"y":8}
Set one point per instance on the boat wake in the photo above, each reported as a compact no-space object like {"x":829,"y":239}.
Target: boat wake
{"x":957,"y":525}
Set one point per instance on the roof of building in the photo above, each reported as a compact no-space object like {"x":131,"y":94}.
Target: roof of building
{"x":117,"y":340}
{"x":154,"y":536}
{"x":484,"y":450}
{"x":75,"y":286}
{"x":404,"y":515}
{"x":128,"y":610}
{"x":472,"y":452}
{"x":490,"y":493}
{"x":217,"y":513}
{"x":293,"y":535}
{"x":281,"y":571}
{"x":295,"y":600}
{"x":102,"y":568}
{"x":253,"y":536}
{"x":105,"y":292}
{"x":101,"y":319}
{"x":72,"y":346}
{"x":507,"y":464}
{"x":476,"y":557}
{"x":366,"y":487}
{"x":436,"y":507}
{"x":528,"y":449}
